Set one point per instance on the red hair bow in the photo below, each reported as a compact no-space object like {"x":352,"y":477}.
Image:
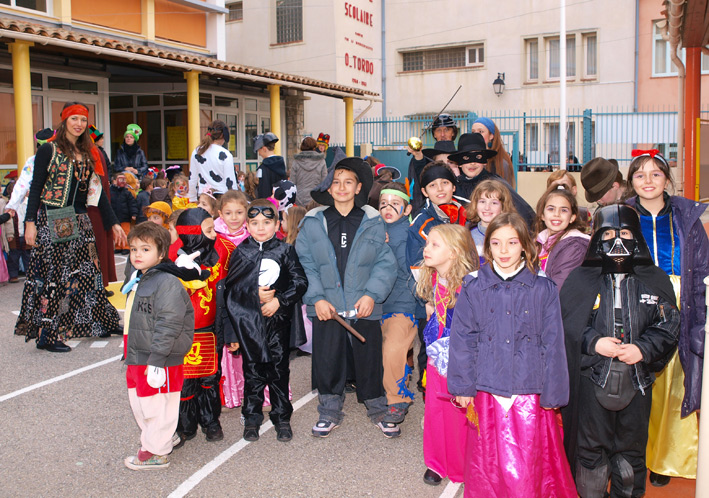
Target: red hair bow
{"x":650,"y":152}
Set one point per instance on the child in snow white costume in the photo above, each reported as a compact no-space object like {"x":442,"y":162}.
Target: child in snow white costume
{"x":200,"y":402}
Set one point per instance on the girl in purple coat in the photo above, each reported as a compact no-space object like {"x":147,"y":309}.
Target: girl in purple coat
{"x":508,"y":366}
{"x":679,"y":246}
{"x":561,"y":244}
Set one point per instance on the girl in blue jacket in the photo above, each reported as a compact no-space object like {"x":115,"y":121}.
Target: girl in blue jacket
{"x":508,"y":366}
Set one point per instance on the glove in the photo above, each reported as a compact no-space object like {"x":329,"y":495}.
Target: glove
{"x":156,"y":376}
{"x":187,"y":261}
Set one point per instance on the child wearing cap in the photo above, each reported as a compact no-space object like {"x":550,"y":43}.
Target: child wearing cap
{"x":398,"y":319}
{"x":272,"y":168}
{"x":264,"y":284}
{"x":130,"y":157}
{"x":342,"y":248}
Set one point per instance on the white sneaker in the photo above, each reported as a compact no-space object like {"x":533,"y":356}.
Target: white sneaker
{"x":323,"y":428}
{"x":389,"y":429}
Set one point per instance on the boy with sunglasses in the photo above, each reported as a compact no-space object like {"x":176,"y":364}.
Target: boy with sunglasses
{"x":264,"y":283}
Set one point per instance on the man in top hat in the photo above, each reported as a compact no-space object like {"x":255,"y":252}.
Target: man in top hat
{"x":472,"y":156}
{"x":602,"y":181}
{"x":272,"y":168}
{"x":341,"y":246}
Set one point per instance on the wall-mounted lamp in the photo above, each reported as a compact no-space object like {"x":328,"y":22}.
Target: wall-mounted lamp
{"x":499,"y":84}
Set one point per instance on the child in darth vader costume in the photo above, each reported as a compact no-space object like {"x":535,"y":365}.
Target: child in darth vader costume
{"x":200,"y":401}
{"x":621,"y":325}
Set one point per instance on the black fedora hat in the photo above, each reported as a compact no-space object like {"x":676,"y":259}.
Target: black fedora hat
{"x":440,"y":147}
{"x":472,"y":149}
{"x":359,"y":167}
{"x":597,"y":177}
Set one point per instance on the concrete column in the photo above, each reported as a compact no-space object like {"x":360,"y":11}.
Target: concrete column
{"x":275,"y":93}
{"x":62,"y":10}
{"x":692,"y":96}
{"x":295,"y":122}
{"x":147,"y":19}
{"x":349,"y":126}
{"x":193,"y":134}
{"x":22,"y":89}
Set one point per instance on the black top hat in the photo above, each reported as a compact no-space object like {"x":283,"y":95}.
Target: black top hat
{"x":472,"y":149}
{"x":441,"y":147}
{"x":360,"y":168}
{"x":597,"y":177}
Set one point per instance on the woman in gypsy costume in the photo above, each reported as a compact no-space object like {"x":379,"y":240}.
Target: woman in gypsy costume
{"x":679,"y":246}
{"x":64,"y":295}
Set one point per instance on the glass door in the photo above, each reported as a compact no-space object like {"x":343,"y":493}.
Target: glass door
{"x":231,"y":121}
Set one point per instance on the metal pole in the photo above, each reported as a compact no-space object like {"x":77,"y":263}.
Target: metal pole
{"x":562,"y":86}
{"x":702,"y":489}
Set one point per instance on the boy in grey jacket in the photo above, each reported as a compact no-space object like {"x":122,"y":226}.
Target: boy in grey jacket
{"x":158,"y":333}
{"x":350,"y":271}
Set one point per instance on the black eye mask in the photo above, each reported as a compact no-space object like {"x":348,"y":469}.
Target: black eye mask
{"x":268,"y":211}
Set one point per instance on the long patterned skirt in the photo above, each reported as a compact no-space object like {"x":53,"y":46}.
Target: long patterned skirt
{"x":63,"y":297}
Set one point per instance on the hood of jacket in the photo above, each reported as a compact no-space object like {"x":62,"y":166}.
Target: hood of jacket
{"x":275,"y":164}
{"x":309,"y":160}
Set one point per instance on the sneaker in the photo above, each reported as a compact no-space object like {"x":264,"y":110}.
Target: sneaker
{"x":284,"y":433}
{"x":323,"y":428}
{"x":389,"y":429}
{"x":396,"y":413}
{"x":251,"y":433}
{"x":153,"y":463}
{"x":175,"y":440}
{"x":183,"y":438}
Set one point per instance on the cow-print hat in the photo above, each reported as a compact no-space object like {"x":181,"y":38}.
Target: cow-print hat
{"x":284,"y":193}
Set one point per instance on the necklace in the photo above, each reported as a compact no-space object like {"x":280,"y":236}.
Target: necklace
{"x":441,"y":299}
{"x":81,"y":173}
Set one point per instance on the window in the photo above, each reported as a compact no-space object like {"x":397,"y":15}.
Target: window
{"x":40,"y":5}
{"x":662,"y":64}
{"x":236,"y":11}
{"x":533,"y":137}
{"x":532,"y":60}
{"x":289,"y":21}
{"x":590,"y":67}
{"x":476,"y":55}
{"x":554,"y":57}
{"x":444,"y":58}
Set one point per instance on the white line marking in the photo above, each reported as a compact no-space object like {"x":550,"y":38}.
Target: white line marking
{"x":73,"y":344}
{"x":210,"y":467}
{"x":57,"y":379}
{"x":16,"y":313}
{"x":99,"y":344}
{"x":451,"y":490}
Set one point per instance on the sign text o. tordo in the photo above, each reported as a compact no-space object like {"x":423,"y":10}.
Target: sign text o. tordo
{"x":364,"y":65}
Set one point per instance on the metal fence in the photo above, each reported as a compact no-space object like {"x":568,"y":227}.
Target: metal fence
{"x":532,"y":138}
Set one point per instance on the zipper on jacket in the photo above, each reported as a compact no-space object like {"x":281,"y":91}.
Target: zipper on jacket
{"x":630,"y":332}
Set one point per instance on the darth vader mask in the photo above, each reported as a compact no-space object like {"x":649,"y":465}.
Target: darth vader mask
{"x":617,"y":244}
{"x":191,"y":233}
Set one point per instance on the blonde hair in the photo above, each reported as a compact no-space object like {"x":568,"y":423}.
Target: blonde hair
{"x":558,"y":175}
{"x":486,"y":188}
{"x":518,"y":225}
{"x":460,"y":242}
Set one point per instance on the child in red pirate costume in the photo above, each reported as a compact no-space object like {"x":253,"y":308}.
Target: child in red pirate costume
{"x":200,"y":402}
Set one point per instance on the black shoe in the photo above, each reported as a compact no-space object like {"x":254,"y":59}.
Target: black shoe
{"x":215,"y":434}
{"x":109,"y":293}
{"x":183,"y":439}
{"x":658,"y":480}
{"x":57,"y":347}
{"x":284,"y":433}
{"x":104,"y":334}
{"x":251,"y":433}
{"x":350,"y":387}
{"x":432,"y":478}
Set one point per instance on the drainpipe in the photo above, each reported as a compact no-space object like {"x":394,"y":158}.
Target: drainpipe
{"x":637,"y":55}
{"x":673,"y":28}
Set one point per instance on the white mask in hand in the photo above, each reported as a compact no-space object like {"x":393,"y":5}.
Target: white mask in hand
{"x":156,"y":376}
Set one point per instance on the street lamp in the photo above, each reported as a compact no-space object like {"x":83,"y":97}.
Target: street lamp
{"x":499,"y":84}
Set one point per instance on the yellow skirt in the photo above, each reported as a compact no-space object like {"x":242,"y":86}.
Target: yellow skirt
{"x":672,"y":440}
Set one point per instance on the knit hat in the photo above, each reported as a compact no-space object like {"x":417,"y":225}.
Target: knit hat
{"x":43,"y":136}
{"x":94,"y":133}
{"x":135,"y":130}
{"x":161,"y":208}
{"x":324,"y":139}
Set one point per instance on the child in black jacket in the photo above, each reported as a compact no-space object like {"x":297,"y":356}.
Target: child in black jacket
{"x":124,"y":205}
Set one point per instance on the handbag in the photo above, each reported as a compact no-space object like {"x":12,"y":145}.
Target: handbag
{"x":62,"y":222}
{"x":619,"y":390}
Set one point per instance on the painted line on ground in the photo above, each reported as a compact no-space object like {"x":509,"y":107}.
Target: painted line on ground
{"x":16,"y":312}
{"x":451,"y":490}
{"x":73,"y":344}
{"x":210,"y":467}
{"x":99,"y":344}
{"x":59,"y":378}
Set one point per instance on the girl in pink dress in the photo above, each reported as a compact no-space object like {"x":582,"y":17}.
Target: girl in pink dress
{"x":448,"y":256}
{"x":508,"y":368}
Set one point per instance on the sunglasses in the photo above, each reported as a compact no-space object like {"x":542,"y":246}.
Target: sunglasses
{"x":267,"y":211}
